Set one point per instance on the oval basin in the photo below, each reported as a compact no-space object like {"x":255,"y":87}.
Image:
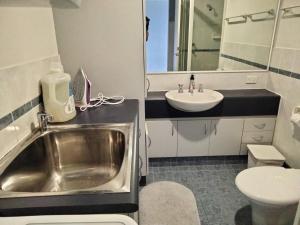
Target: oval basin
{"x":194,"y":102}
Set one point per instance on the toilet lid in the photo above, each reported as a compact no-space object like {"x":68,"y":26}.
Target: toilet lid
{"x":271,"y":185}
{"x":265,"y":152}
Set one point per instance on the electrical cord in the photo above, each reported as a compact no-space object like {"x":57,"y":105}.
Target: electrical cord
{"x":103,"y":100}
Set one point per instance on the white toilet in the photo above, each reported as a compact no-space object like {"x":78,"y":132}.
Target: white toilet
{"x":274,"y":193}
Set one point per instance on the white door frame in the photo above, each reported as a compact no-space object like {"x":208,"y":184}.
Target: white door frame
{"x":177,"y":34}
{"x":190,"y":39}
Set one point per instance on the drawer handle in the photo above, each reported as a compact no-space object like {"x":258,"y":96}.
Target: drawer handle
{"x":172,"y":132}
{"x":258,"y":139}
{"x":260,"y":126}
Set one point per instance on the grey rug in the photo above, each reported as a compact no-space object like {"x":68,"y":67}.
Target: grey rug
{"x":167,"y":203}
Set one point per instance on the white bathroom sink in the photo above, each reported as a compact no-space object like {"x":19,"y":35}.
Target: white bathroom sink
{"x":194,"y":102}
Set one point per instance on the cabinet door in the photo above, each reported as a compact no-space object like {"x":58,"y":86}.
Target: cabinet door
{"x":162,"y":138}
{"x":226,"y":136}
{"x":193,"y":137}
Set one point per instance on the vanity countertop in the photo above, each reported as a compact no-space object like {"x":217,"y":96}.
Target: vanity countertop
{"x":239,"y":102}
{"x":89,"y":203}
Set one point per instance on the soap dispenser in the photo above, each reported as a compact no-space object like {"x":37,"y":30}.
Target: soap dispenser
{"x":57,"y":95}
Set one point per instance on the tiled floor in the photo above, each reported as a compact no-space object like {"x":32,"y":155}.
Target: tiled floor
{"x":212,"y":182}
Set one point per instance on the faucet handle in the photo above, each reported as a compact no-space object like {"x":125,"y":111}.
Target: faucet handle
{"x":43,"y":119}
{"x":180,"y":88}
{"x":200,"y":88}
{"x":43,"y":116}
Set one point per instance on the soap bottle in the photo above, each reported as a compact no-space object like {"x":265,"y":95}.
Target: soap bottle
{"x":57,"y":95}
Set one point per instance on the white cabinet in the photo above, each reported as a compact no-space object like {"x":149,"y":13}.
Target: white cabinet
{"x":205,"y":137}
{"x":162,"y":138}
{"x":193,"y":137}
{"x":260,"y":124}
{"x":257,"y":130}
{"x":258,"y":137}
{"x":226,"y":136}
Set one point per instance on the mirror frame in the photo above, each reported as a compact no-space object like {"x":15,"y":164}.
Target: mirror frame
{"x":219,"y":71}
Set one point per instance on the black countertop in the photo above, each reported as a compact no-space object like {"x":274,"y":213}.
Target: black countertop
{"x":244,"y":102}
{"x":91,"y":203}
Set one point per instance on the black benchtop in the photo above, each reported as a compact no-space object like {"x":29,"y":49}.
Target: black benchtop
{"x":86,"y":203}
{"x":241,"y":102}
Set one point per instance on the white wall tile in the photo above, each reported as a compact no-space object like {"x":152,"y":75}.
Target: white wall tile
{"x":296,"y":63}
{"x":223,"y":81}
{"x":8,"y":139}
{"x":26,"y":124}
{"x":286,"y":58}
{"x":20,"y":84}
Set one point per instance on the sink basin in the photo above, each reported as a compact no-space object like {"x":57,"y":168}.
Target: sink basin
{"x":69,"y":159}
{"x":194,"y":102}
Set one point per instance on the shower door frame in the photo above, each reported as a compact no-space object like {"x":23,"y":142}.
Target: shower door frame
{"x":178,"y":51}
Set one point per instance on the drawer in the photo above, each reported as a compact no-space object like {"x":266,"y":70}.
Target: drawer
{"x":258,"y":137}
{"x":259,"y":124}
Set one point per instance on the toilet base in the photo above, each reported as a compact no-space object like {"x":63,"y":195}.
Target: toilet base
{"x":265,"y":214}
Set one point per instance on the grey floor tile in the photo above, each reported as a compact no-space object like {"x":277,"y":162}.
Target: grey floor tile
{"x":212,"y":182}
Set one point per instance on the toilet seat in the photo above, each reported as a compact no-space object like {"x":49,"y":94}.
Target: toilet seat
{"x":270,"y":185}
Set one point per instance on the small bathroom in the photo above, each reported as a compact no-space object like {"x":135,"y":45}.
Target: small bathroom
{"x":150,"y":112}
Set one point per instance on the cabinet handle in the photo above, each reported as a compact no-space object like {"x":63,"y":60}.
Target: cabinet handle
{"x":172,"y":132}
{"x":258,"y":139}
{"x":216,"y":131}
{"x":205,"y":130}
{"x":149,"y":141}
{"x":140,"y":167}
{"x":260,"y":126}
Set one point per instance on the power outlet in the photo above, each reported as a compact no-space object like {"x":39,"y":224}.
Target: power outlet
{"x":251,"y":79}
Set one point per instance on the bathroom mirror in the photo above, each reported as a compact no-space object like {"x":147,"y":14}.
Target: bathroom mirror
{"x":209,"y":35}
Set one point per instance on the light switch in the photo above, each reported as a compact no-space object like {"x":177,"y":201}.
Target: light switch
{"x":251,"y":79}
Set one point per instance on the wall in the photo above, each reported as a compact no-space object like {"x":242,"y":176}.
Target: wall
{"x":106,"y":38}
{"x":248,"y":41}
{"x":285,"y":80}
{"x":213,"y":80}
{"x":157,"y":45}
{"x":27,"y":48}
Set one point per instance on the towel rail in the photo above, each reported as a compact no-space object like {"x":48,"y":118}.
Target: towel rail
{"x":269,"y":14}
{"x":236,"y":19}
{"x":290,"y":11}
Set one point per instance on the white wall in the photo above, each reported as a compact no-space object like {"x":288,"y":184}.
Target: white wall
{"x":286,"y":56}
{"x":27,"y":48}
{"x":106,"y":38}
{"x":27,"y":34}
{"x":211,"y":80}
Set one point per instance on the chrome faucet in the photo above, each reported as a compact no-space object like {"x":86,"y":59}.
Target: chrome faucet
{"x":43,"y":119}
{"x":192,"y":84}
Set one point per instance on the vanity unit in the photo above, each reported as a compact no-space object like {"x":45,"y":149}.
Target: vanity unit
{"x":243,"y":117}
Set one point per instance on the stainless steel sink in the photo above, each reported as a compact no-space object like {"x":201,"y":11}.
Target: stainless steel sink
{"x":69,"y":159}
